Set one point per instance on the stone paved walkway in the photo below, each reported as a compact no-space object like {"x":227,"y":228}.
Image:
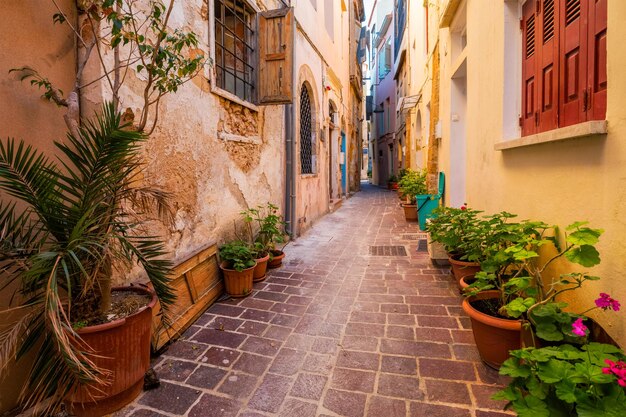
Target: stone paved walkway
{"x":334,"y":332}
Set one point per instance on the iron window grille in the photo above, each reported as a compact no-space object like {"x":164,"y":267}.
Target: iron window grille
{"x":235,"y":29}
{"x":306,"y":148}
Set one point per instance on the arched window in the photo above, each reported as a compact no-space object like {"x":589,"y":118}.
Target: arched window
{"x":306,"y":140}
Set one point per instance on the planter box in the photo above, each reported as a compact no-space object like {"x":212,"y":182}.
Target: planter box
{"x":197,"y":284}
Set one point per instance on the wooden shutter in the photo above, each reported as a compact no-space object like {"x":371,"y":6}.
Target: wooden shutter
{"x":276,"y":37}
{"x":596,"y":79}
{"x":547,"y":59}
{"x":573,"y":61}
{"x":529,"y":69}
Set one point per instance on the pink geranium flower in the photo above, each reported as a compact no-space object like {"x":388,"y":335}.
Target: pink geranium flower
{"x":618,"y":369}
{"x":579,"y":328}
{"x":607,"y":302}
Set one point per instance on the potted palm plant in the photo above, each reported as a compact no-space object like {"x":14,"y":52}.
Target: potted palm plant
{"x":410,"y":185}
{"x":66,"y":225}
{"x":237,"y":263}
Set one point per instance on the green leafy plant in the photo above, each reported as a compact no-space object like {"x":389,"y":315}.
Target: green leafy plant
{"x":266,"y":227}
{"x":584,"y":378}
{"x":412,"y":183}
{"x":531,"y":293}
{"x":63,"y":226}
{"x":392,"y":179}
{"x":237,"y":255}
{"x":452,"y":227}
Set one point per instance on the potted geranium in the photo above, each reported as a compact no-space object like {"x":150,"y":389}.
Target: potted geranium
{"x":579,"y":378}
{"x":237,"y":264}
{"x":410,"y":185}
{"x":455,"y":229}
{"x":528,"y":297}
{"x":392,"y":182}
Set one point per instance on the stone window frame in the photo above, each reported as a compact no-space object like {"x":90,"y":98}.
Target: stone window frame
{"x":212,"y":48}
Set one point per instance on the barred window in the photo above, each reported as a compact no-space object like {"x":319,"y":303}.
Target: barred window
{"x":234,"y":48}
{"x":306,"y":148}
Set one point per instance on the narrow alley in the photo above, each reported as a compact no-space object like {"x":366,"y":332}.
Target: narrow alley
{"x":339,"y":330}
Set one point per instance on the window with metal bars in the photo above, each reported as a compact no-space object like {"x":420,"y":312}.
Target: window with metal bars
{"x":235,"y":29}
{"x":306,"y":139}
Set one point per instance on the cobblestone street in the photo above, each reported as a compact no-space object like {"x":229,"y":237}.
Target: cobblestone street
{"x":342,"y":329}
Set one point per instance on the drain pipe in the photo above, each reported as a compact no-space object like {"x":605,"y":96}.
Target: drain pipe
{"x":290,"y":149}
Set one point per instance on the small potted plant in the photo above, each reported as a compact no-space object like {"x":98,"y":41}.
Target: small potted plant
{"x":255,"y":220}
{"x":455,"y":229}
{"x":579,"y":378}
{"x":271,"y":233}
{"x":410,"y":185}
{"x":528,"y":298}
{"x":392,"y":182}
{"x":237,"y":263}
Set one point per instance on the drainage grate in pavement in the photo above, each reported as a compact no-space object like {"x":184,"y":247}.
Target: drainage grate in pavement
{"x":422,"y":245}
{"x":387,"y":251}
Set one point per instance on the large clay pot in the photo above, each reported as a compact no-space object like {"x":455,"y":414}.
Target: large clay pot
{"x":277,"y":259}
{"x":123,"y":348}
{"x":237,"y":283}
{"x":462,"y":269}
{"x":410,"y":212}
{"x":260,"y":269}
{"x":494,"y":336}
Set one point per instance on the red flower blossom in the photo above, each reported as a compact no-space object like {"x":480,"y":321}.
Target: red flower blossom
{"x":607,"y":302}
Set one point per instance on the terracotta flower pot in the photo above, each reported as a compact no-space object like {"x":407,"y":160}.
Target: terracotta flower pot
{"x":465,"y":282}
{"x":462,"y":269}
{"x":237,"y":283}
{"x":277,"y":259}
{"x":260,"y":269}
{"x":410,"y":212}
{"x":123,"y":348}
{"x":494,"y":336}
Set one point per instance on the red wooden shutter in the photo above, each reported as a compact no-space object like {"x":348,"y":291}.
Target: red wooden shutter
{"x":573,"y":62}
{"x":547,"y":71}
{"x":596,"y":79}
{"x":529,"y":69}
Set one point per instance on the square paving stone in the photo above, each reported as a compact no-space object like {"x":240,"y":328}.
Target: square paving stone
{"x":219,"y":338}
{"x":145,"y":413}
{"x":308,"y":386}
{"x":452,"y":370}
{"x":398,"y":365}
{"x":353,"y":380}
{"x":434,"y":410}
{"x":287,"y":362}
{"x":447,"y":392}
{"x":220,"y":357}
{"x":399,"y":386}
{"x":293,"y":408}
{"x":252,"y":328}
{"x":261,"y":346}
{"x":347,"y":404}
{"x":214,"y":406}
{"x":270,"y":395}
{"x":252,"y":364}
{"x":238,"y":385}
{"x":358,"y":360}
{"x":186,"y":350}
{"x":387,"y":407}
{"x":206,"y":377}
{"x":170,"y":398}
{"x":175,"y":370}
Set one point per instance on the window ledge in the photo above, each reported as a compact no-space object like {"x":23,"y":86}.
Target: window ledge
{"x":306,"y":176}
{"x":580,"y":130}
{"x":231,"y":97}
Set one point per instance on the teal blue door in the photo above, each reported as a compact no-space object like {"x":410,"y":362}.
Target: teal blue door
{"x":343,"y":165}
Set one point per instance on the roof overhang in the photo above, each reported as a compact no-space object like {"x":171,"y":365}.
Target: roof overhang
{"x":407,"y":103}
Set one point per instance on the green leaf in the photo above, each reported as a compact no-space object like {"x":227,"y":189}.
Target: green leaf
{"x":584,"y":236}
{"x":507,"y":394}
{"x":553,"y":371}
{"x":548,"y":331}
{"x":536,"y":388}
{"x":531,"y":407}
{"x":513,"y":368}
{"x":575,"y":225}
{"x":584,"y":255}
{"x":565,"y":390}
{"x":519,"y":306}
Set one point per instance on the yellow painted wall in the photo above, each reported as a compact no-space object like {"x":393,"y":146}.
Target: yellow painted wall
{"x":576,"y":179}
